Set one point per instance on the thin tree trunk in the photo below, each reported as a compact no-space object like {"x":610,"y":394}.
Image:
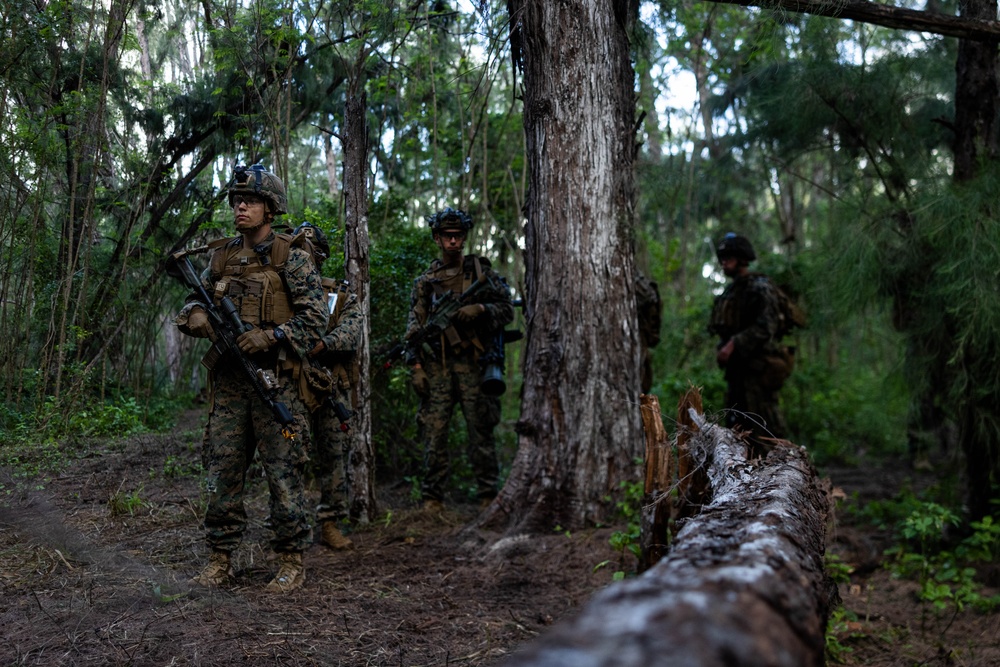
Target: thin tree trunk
{"x":360,"y":467}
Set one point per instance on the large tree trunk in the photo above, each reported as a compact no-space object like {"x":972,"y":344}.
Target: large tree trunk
{"x":743,"y":582}
{"x":580,"y":428}
{"x":360,"y":466}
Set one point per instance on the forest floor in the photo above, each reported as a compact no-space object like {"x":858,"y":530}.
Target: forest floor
{"x":95,"y":562}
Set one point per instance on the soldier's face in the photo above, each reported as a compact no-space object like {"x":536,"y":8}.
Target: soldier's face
{"x":248,"y":211}
{"x":730,"y":266}
{"x":450,"y":241}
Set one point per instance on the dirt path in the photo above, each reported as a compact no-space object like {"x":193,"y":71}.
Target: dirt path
{"x":94,"y":569}
{"x":84,"y":584}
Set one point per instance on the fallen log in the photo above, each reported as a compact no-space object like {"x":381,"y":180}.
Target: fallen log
{"x":742,"y":584}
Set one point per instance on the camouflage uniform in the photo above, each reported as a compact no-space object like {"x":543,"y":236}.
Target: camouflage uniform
{"x":649,"y":308}
{"x":239,"y":424}
{"x":454,"y":373}
{"x":749,"y":313}
{"x":332,"y":445}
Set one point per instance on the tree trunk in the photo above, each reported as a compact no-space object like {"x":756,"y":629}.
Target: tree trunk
{"x":975,"y":95}
{"x":743,"y":582}
{"x":360,"y":466}
{"x":976,"y":90}
{"x":580,"y":428}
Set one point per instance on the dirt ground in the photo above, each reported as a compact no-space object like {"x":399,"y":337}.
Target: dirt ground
{"x":893,"y":628}
{"x":94,"y":566}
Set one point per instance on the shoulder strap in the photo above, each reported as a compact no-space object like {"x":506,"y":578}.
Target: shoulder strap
{"x":221,"y":250}
{"x":279,"y":250}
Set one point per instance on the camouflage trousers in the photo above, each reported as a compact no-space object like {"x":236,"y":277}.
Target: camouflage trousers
{"x":457,"y":381}
{"x":330,"y":453}
{"x":752,"y":405}
{"x":240,"y":425}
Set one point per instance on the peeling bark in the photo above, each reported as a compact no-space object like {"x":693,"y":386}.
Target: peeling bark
{"x":360,"y":466}
{"x":743,"y":582}
{"x":578,"y":432}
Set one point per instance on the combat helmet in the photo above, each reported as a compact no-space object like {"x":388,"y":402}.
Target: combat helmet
{"x":450,"y":218}
{"x":255,"y":180}
{"x":321,"y":247}
{"x":734,"y":245}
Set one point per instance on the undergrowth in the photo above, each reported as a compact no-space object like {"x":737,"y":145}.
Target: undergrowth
{"x":35,"y":443}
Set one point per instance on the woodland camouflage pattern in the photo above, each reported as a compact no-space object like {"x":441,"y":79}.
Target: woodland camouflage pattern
{"x":749,"y":313}
{"x":238,"y":419}
{"x":307,"y":298}
{"x":332,"y":445}
{"x":454,"y":374}
{"x":239,"y":423}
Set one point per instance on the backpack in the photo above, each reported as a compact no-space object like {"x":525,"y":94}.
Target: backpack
{"x":791,"y":316}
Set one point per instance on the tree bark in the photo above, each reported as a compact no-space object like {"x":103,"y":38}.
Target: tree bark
{"x":360,"y":466}
{"x":985,"y":29}
{"x":580,"y":428}
{"x":743,"y":583}
{"x":975,"y":95}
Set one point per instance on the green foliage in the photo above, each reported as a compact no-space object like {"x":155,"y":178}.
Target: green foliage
{"x":117,"y":419}
{"x":125,"y":503}
{"x":838,"y":571}
{"x":34,"y":443}
{"x":175,"y":468}
{"x":838,"y":627}
{"x":887,"y":514}
{"x":837,"y":412}
{"x":630,"y":510}
{"x":947,"y":576}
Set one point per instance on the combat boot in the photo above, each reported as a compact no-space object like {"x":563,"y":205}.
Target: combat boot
{"x":333,"y":538}
{"x":218,"y":571}
{"x":291,"y":573}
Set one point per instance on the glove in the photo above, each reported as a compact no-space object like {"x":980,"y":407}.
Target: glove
{"x":470,"y":312}
{"x":320,"y":346}
{"x":198,"y":324}
{"x":255,"y":340}
{"x":421,"y":383}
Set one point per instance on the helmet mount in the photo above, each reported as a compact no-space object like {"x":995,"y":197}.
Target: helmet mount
{"x":449,"y":218}
{"x":256,"y":180}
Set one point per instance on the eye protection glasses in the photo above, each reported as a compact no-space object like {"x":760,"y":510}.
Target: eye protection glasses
{"x":249,"y":200}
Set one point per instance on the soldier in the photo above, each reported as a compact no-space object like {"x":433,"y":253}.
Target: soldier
{"x":445,"y":367}
{"x":748,"y":317}
{"x":336,"y":351}
{"x":649,"y":308}
{"x":276,"y":288}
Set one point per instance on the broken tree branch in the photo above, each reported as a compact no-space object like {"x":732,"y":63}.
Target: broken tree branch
{"x":743,"y":582}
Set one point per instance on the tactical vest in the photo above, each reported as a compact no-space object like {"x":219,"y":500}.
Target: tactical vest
{"x":254,"y":282}
{"x":728,"y":313}
{"x":458,"y":338}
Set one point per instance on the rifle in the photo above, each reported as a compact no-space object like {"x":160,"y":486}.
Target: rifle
{"x":228,"y":326}
{"x":341,"y":412}
{"x":443,"y":308}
